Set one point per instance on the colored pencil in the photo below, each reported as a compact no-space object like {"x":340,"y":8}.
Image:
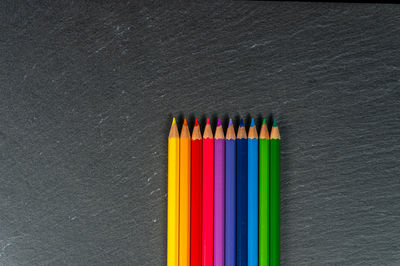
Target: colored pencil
{"x":263,"y":227}
{"x":208,"y":196}
{"x":184,"y":196}
{"x":173,"y":196}
{"x":275,"y":200}
{"x":252,"y":232}
{"x":219,"y":195}
{"x":230,"y":196}
{"x":195,"y":226}
{"x":241,"y":196}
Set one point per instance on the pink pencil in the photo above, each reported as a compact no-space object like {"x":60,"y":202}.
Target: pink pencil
{"x":208,"y":196}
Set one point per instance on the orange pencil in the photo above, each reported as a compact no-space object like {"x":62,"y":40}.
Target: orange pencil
{"x":184,"y":198}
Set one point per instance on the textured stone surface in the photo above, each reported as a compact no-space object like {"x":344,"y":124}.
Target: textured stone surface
{"x":88,"y":91}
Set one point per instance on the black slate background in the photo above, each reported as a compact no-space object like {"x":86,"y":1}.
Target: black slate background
{"x":87,"y":92}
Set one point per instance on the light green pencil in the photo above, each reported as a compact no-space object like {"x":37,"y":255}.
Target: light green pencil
{"x":263,"y":211}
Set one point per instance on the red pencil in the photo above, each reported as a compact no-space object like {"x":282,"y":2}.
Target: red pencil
{"x":195,"y":215}
{"x":208,"y":196}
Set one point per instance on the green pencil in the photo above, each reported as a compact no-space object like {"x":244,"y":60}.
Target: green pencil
{"x":275,"y":198}
{"x":263,"y":212}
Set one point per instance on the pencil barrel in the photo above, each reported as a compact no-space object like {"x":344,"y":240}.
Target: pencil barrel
{"x":173,"y":202}
{"x":208,"y":202}
{"x":241,"y":203}
{"x":263,"y":233}
{"x":252,"y":234}
{"x":184,"y":201}
{"x":195,"y":218}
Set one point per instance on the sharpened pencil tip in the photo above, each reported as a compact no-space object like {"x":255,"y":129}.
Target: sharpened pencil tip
{"x":208,"y":121}
{"x":275,"y":123}
{"x":264,"y":121}
{"x":185,"y":122}
{"x":230,"y":122}
{"x":173,"y":121}
{"x":219,"y":122}
{"x":241,"y":123}
{"x":196,"y":123}
{"x":252,"y":122}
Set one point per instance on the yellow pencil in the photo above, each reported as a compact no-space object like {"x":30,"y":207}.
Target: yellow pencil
{"x":184,"y":196}
{"x":173,"y":196}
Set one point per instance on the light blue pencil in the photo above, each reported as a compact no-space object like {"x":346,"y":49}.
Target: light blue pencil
{"x":252,"y":240}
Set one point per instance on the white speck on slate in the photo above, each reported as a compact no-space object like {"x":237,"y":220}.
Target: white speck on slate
{"x":158,"y":189}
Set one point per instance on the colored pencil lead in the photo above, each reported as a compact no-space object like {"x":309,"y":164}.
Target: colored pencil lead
{"x":219,"y":122}
{"x":252,"y":122}
{"x":230,"y":122}
{"x":196,"y":123}
{"x":208,"y":121}
{"x":241,"y":123}
{"x":275,"y":123}
{"x":264,"y":122}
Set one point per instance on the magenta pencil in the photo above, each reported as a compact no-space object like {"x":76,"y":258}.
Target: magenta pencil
{"x":219,"y":195}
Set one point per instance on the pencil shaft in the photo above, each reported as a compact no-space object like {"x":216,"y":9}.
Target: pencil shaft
{"x":241,"y":202}
{"x":252,"y":243}
{"x":195,"y":229}
{"x":173,"y":202}
{"x":219,"y":201}
{"x":184,"y":202}
{"x":275,"y":203}
{"x":263,"y":231}
{"x":208,"y":202}
{"x":230,"y":202}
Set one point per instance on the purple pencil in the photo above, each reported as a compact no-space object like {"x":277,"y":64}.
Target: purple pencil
{"x":230,"y":196}
{"x":219,"y":195}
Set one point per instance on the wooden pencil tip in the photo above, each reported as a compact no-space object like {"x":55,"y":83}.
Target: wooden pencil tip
{"x":196,"y":123}
{"x":185,"y":122}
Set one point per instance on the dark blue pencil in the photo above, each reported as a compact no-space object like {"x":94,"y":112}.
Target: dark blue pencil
{"x":241,"y":196}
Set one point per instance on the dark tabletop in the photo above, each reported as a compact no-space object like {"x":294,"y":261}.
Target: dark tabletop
{"x":88,"y":90}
